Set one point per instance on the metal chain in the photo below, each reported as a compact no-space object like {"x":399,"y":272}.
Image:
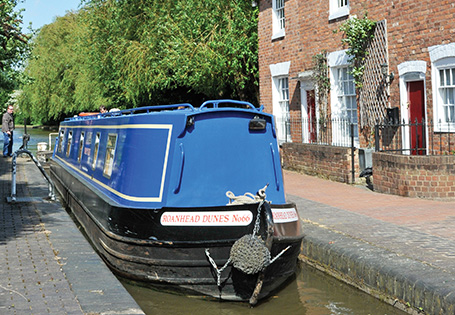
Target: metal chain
{"x":258,"y":219}
{"x":218,"y":271}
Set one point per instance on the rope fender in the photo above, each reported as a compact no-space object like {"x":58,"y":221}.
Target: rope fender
{"x":249,"y":253}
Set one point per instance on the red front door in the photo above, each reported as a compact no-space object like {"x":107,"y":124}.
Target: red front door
{"x":416,"y":99}
{"x":311,"y":116}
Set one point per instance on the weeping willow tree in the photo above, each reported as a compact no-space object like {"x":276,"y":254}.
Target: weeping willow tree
{"x":143,"y":52}
{"x":147,"y":49}
{"x":13,"y":48}
{"x":61,"y":81}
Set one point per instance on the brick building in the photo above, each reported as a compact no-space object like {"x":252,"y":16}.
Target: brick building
{"x":415,"y":41}
{"x":409,"y":81}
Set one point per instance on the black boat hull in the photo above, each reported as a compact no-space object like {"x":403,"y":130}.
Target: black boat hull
{"x":135,"y":245}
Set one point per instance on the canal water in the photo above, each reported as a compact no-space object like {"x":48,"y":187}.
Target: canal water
{"x":37,"y":135}
{"x":310,"y":293}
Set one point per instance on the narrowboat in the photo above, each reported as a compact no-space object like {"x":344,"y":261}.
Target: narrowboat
{"x":185,"y":196}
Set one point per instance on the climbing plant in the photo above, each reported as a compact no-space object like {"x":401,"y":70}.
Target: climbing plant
{"x":358,"y":34}
{"x":322,"y":81}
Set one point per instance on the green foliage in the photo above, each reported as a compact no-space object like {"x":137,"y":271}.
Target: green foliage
{"x":61,"y":81}
{"x":13,"y":49}
{"x":321,"y":74}
{"x":207,"y":47}
{"x":12,"y":42}
{"x":126,"y":53}
{"x":358,"y":34}
{"x":322,"y":81}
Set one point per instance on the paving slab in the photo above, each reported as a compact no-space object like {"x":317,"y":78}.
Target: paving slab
{"x":401,"y":250}
{"x":46,"y":264}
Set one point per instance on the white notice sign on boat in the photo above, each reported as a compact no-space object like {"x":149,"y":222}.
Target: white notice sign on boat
{"x":284,"y":215}
{"x":207,"y":218}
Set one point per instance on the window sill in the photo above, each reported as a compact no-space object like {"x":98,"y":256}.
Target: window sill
{"x":278,"y":35}
{"x":446,"y":128}
{"x":339,"y":13}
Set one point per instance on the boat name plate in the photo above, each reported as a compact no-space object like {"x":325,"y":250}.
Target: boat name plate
{"x":207,"y":218}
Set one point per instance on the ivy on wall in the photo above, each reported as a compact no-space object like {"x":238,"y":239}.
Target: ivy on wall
{"x":358,"y":34}
{"x":322,"y":81}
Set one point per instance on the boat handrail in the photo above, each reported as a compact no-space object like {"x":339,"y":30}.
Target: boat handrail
{"x":216,"y":104}
{"x":52,"y":134}
{"x":131,"y":111}
{"x":148,"y":109}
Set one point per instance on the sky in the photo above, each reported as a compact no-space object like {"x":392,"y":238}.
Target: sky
{"x":41,"y":12}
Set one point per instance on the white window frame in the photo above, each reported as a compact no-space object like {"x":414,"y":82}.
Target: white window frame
{"x":442,"y":58}
{"x":284,"y":117}
{"x":81,"y":146}
{"x":338,"y":9}
{"x":69,"y":142}
{"x":279,"y":72}
{"x":442,"y":112}
{"x":111,"y":146}
{"x":60,"y":140}
{"x":278,"y":19}
{"x":96,"y":149}
{"x":446,"y":89}
{"x":338,"y":61}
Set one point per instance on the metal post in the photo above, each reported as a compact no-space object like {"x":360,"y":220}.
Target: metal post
{"x":13,"y":179}
{"x":376,"y":137}
{"x":424,"y":138}
{"x":448,"y":135}
{"x":37,"y":163}
{"x":25,"y":139}
{"x":418,"y":144}
{"x":352,"y":154}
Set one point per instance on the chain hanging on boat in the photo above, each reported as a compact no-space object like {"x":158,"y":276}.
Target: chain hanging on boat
{"x":250,"y":253}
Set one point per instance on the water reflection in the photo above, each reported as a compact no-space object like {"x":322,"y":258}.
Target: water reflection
{"x":311,"y":293}
{"x":36,"y":135}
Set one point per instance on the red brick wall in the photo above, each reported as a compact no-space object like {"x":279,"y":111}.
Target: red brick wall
{"x":319,"y":160}
{"x":430,"y":177}
{"x":412,"y":26}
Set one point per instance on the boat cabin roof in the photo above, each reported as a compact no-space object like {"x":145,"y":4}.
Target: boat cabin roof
{"x":178,"y":108}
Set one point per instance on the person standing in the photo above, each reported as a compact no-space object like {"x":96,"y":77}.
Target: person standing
{"x":7,"y":129}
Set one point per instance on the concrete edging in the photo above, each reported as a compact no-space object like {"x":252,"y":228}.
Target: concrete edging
{"x":412,"y":286}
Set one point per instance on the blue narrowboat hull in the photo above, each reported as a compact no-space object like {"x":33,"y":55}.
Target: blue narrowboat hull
{"x":150,"y":186}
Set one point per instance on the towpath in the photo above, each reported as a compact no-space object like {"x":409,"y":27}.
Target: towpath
{"x":46,"y":264}
{"x":399,"y":249}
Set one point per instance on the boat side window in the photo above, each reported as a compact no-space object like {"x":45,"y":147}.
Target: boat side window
{"x":81,"y":146}
{"x":95,"y":150}
{"x":110,"y":154}
{"x":68,"y":143}
{"x":60,"y":140}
